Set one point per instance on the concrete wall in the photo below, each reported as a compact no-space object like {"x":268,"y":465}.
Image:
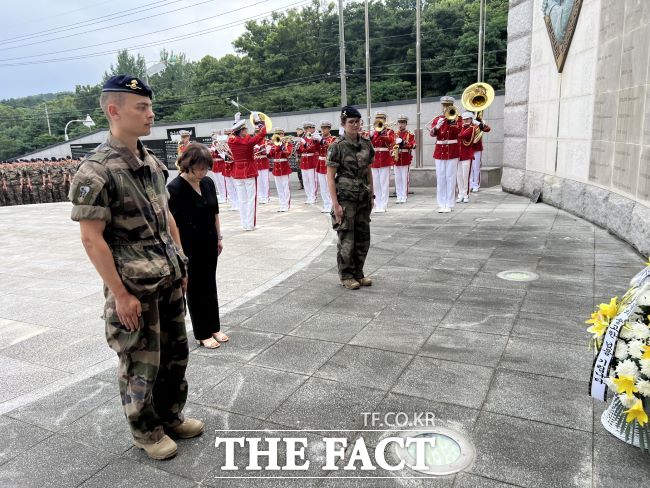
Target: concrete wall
{"x":493,"y":141}
{"x":582,"y":136}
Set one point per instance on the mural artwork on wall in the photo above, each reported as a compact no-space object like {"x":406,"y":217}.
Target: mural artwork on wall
{"x":561,"y":17}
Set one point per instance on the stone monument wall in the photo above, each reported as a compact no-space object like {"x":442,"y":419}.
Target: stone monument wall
{"x":582,"y":136}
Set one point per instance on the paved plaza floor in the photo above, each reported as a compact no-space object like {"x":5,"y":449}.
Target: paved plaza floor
{"x":504,"y":363}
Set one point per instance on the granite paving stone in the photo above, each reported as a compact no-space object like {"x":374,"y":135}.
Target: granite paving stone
{"x":414,"y":310}
{"x":279,"y":318}
{"x":252,"y":391}
{"x":392,"y":336}
{"x":445,"y":381}
{"x":532,"y":454}
{"x":297,"y":355}
{"x":331,"y":327}
{"x":479,"y":320}
{"x":556,"y":328}
{"x":139,"y":475}
{"x":20,"y":377}
{"x":244,"y":345}
{"x":618,"y":464}
{"x":18,"y":437}
{"x":465,"y":346}
{"x":550,"y":400}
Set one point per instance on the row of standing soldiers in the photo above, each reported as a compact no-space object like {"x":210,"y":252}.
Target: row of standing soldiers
{"x":40,"y":181}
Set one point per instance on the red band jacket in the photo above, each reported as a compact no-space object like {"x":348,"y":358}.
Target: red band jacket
{"x":447,"y":146}
{"x":322,"y":154}
{"x":242,"y":148}
{"x":478,"y":146}
{"x":308,"y":153}
{"x":466,"y":137}
{"x":405,"y":156}
{"x":383,"y":143}
{"x":279,"y":156}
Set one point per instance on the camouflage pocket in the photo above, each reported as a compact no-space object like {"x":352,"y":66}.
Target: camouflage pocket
{"x":142,"y":271}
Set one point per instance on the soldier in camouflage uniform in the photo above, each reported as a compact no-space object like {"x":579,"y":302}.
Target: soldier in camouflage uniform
{"x":4,"y":187}
{"x":349,"y":181}
{"x":12,"y":175}
{"x":120,"y":199}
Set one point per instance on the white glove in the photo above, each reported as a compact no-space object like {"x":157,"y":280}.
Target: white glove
{"x":302,"y":140}
{"x":316,"y":137}
{"x":268,"y":149}
{"x":440,"y":122}
{"x":372,"y":132}
{"x":222,"y":155}
{"x":476,"y":122}
{"x":398,"y":140}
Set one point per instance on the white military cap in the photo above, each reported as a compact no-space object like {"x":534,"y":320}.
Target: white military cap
{"x":467,"y":115}
{"x":240,"y":124}
{"x":380,"y":113}
{"x":447,"y":99}
{"x":402,"y":117}
{"x":277,"y":130}
{"x":325,"y":123}
{"x":308,"y":124}
{"x":184,"y":133}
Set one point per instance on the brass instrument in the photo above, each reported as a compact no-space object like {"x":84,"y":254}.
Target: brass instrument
{"x":477,"y":98}
{"x":395,"y":152}
{"x":256,"y":117}
{"x":451,"y":113}
{"x":380,"y":125}
{"x":278,"y":140}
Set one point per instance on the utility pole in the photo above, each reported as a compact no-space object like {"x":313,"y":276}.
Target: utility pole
{"x":47,"y":117}
{"x":344,"y":91}
{"x":418,"y":90}
{"x":481,"y":40}
{"x":368,"y":97}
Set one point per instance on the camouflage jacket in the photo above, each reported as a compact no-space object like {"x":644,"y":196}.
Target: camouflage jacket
{"x":352,"y":161}
{"x":130,"y":195}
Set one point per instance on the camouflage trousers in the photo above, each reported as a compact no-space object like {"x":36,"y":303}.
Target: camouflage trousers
{"x":354,"y":237}
{"x":152,"y":362}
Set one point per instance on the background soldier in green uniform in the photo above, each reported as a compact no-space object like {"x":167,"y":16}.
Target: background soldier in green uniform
{"x":120,"y":199}
{"x":349,"y":181}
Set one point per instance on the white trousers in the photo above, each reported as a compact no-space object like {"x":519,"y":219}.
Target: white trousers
{"x":284,"y":191}
{"x":380,"y":181}
{"x":402,"y":182}
{"x":462,"y":177}
{"x":324,"y":192}
{"x":247,"y":196}
{"x":263,"y":189}
{"x":309,"y":182}
{"x":446,"y":182}
{"x":475,"y":174}
{"x":232,"y":192}
{"x":220,"y":183}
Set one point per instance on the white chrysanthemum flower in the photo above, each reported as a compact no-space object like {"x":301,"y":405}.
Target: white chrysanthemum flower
{"x":645,"y":367}
{"x":644,"y":387}
{"x":644,"y":298}
{"x":621,"y":351}
{"x":640,"y":330}
{"x":627,"y":401}
{"x":627,"y":368}
{"x":626,"y":331}
{"x":635,"y":348}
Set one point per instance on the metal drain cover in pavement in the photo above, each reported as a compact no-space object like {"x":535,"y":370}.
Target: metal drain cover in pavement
{"x":517,"y":275}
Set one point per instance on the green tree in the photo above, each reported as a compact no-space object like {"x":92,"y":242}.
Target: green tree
{"x":127,"y":64}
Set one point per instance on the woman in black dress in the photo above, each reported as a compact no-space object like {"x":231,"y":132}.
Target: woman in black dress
{"x":193,"y":203}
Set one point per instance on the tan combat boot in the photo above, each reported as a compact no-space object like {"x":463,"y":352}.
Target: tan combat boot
{"x":365,"y":281}
{"x":351,"y":284}
{"x":165,"y":448}
{"x":188,"y":429}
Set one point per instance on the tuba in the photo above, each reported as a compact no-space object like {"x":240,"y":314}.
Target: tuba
{"x":477,"y":98}
{"x":257,"y":117}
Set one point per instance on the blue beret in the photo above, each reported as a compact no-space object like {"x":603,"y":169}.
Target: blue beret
{"x":127,"y":84}
{"x":350,"y":112}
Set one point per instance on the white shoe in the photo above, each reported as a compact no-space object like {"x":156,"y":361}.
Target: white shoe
{"x":474,"y":190}
{"x":380,"y":210}
{"x":441,"y":210}
{"x":459,"y":199}
{"x":249,"y":228}
{"x":465,"y":199}
{"x":446,"y":210}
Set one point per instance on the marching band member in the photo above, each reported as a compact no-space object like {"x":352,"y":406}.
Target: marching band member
{"x":185,"y":140}
{"x":263,"y":166}
{"x":244,"y":171}
{"x":406,"y":142}
{"x":475,"y":175}
{"x":218,"y":164}
{"x":279,"y":155}
{"x":321,"y":170}
{"x":466,"y":138}
{"x":294,"y":160}
{"x":308,"y":150}
{"x":231,"y":192}
{"x":446,"y":154}
{"x":383,"y":142}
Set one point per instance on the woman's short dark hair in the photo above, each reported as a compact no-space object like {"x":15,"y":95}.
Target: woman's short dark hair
{"x":195,"y":154}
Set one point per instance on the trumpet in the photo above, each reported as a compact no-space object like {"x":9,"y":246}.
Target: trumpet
{"x":278,"y":140}
{"x":380,"y":125}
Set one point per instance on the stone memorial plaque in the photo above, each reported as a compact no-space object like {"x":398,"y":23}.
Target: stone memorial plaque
{"x":625,"y":167}
{"x":611,"y":19}
{"x":608,"y":65}
{"x":630,"y":114}
{"x":600,"y":163}
{"x":634,"y":61}
{"x":605,"y":110}
{"x":643,"y":185}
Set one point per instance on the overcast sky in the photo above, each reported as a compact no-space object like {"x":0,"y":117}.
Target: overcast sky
{"x":82,"y":24}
